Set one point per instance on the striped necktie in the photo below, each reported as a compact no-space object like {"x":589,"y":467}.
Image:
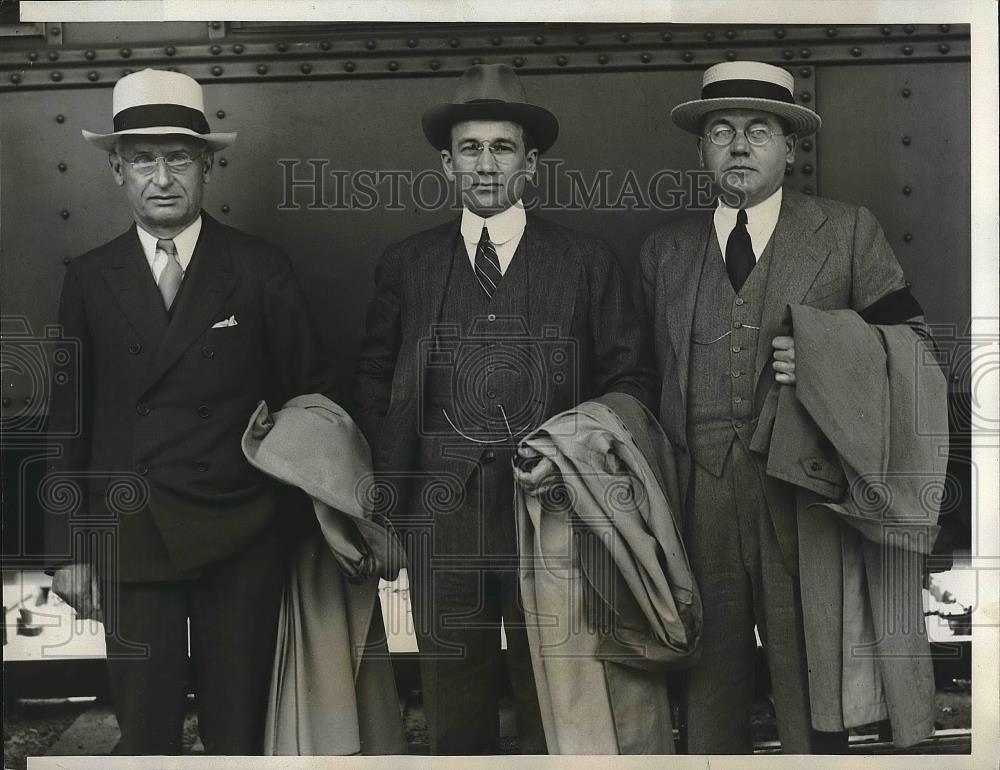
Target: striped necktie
{"x":172,"y":274}
{"x":487,"y":264}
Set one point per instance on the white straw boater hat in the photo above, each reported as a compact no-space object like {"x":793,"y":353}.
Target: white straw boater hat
{"x":747,"y":85}
{"x":158,"y":102}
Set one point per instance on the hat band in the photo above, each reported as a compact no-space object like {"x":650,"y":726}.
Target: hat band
{"x":748,"y":89}
{"x":153,"y":115}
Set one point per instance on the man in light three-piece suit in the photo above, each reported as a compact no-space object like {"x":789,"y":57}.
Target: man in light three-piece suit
{"x":479,"y":330}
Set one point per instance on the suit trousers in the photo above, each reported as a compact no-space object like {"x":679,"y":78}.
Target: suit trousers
{"x":743,"y":580}
{"x":233,"y":611}
{"x":463,"y":583}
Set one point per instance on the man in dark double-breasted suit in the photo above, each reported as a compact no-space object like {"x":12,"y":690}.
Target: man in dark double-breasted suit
{"x":479,"y":330}
{"x":182,"y":326}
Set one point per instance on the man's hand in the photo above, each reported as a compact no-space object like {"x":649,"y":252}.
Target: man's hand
{"x":541,"y":472}
{"x":77,"y":586}
{"x":784,"y":360}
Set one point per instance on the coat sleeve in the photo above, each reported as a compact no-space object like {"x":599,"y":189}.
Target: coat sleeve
{"x":376,"y":364}
{"x":622,"y":357}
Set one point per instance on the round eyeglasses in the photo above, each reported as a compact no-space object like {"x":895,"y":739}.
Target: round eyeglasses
{"x":723,"y":136}
{"x":177,"y":162}
{"x":500,"y":150}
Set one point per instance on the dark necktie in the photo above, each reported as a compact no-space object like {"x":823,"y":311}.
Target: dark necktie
{"x":487,"y":264}
{"x":172,"y":274}
{"x":739,"y":252}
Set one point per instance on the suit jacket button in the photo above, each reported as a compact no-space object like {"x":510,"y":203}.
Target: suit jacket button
{"x":141,"y":468}
{"x":739,"y":300}
{"x":208,"y":352}
{"x":489,"y":456}
{"x":143,"y":409}
{"x":816,"y":465}
{"x":135,"y":348}
{"x":201,"y":467}
{"x":204,"y":411}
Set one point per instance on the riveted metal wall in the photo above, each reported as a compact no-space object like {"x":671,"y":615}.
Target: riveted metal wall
{"x":351,"y":96}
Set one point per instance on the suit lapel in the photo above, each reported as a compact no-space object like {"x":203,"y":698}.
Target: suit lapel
{"x":127,"y":273}
{"x":552,"y":279}
{"x":429,"y":276}
{"x":798,"y":254}
{"x":210,"y":280}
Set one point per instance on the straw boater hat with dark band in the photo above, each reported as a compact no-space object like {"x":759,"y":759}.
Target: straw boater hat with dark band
{"x":490,"y":92}
{"x":158,"y":103}
{"x":747,"y":85}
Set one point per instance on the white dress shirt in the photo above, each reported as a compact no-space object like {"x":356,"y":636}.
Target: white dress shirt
{"x":184,"y":243}
{"x":761,"y":221}
{"x":505,"y":228}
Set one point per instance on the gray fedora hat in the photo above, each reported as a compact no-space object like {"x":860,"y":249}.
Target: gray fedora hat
{"x":490,"y":92}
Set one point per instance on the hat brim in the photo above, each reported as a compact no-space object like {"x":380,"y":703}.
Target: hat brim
{"x":689,"y":115}
{"x":215,"y":141}
{"x":538,"y":121}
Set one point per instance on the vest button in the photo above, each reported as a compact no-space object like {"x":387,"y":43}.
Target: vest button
{"x":135,"y":348}
{"x":737,"y":324}
{"x":208,"y":352}
{"x":738,"y":400}
{"x":143,"y":409}
{"x":491,"y":317}
{"x":740,"y":301}
{"x":736,"y":373}
{"x":141,"y":468}
{"x":491,"y":394}
{"x":204,"y":411}
{"x":737,"y":348}
{"x":738,"y":424}
{"x":489,"y":456}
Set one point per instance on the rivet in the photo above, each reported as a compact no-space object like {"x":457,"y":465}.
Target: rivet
{"x":238,"y":48}
{"x":709,"y":35}
{"x":15,"y":77}
{"x":807,"y":190}
{"x":666,"y":37}
{"x":539,"y":39}
{"x":908,"y":29}
{"x":831,"y":32}
{"x":170,"y":50}
{"x":60,"y":118}
{"x":225,"y":208}
{"x":435,"y":64}
{"x":261,"y":69}
{"x":215,"y":50}
{"x":788,"y":53}
{"x":731,"y":55}
{"x":731,"y":34}
{"x":66,"y":261}
{"x":496,"y":40}
{"x":907,"y":141}
{"x":93,"y":76}
{"x":56,"y":76}
{"x":805,"y":72}
{"x":306,"y":68}
{"x":33,"y":56}
{"x":54,"y":31}
{"x":855,"y":51}
{"x":561,"y":61}
{"x":807,"y":169}
{"x":805,"y":96}
{"x":944,"y":48}
{"x":477,"y":60}
{"x":581,"y":39}
{"x":886,"y":31}
{"x":906,"y":93}
{"x":64,"y":213}
{"x":603,"y":58}
{"x":688,"y":56}
{"x":220,"y":114}
{"x":907,"y":50}
{"x":805,"y":53}
{"x":393,"y":65}
{"x":216,"y":70}
{"x":411,"y":43}
{"x":907,"y":190}
{"x":349,"y":66}
{"x":454,"y":42}
{"x":125,"y":52}
{"x":518,"y":61}
{"x":945,"y":28}
{"x":282,"y":47}
{"x":223,"y":162}
{"x":53,"y":55}
{"x":908,"y":284}
{"x":90,"y":53}
{"x":907,"y":237}
{"x":216,"y":25}
{"x":807,"y":145}
{"x":62,"y":166}
{"x":370,"y":45}
{"x":5,"y":402}
{"x":624,"y":37}
{"x":779,"y":33}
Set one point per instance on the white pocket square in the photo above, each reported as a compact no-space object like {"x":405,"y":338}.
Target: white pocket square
{"x":231,"y":321}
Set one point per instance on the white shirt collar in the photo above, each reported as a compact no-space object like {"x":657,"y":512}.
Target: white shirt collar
{"x":185,"y":242}
{"x":761,"y":221}
{"x":503,"y":227}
